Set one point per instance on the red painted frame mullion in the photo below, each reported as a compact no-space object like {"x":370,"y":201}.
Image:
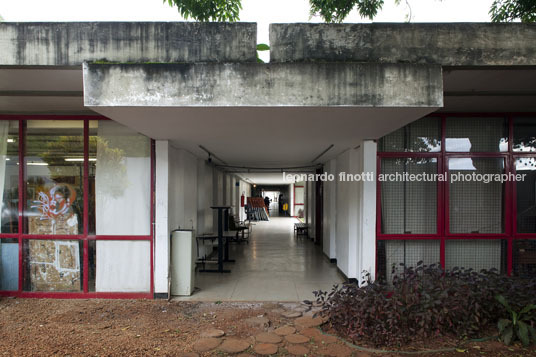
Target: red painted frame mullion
{"x":85,"y":276}
{"x":22,"y":189}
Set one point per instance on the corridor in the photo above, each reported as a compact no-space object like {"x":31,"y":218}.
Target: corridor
{"x":274,"y":266}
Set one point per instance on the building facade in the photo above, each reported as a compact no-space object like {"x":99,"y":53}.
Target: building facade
{"x":105,"y":129}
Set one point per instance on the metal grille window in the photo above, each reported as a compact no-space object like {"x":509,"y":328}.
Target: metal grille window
{"x":423,"y":135}
{"x":526,"y":195}
{"x":476,"y":134}
{"x":409,"y":207}
{"x":524,"y":257}
{"x":524,"y":134}
{"x":481,"y":215}
{"x":475,"y":205}
{"x":476,"y":254}
{"x":393,"y":255}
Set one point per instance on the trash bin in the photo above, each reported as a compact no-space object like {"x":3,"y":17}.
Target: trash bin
{"x":183,"y":256}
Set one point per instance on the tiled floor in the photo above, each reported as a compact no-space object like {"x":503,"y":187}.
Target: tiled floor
{"x":274,"y":266}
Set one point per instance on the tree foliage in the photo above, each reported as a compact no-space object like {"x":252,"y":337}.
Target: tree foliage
{"x":208,"y":10}
{"x":338,"y":10}
{"x":511,"y":10}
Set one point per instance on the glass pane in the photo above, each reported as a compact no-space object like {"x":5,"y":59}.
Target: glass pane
{"x":476,"y":200}
{"x":408,"y":207}
{"x":9,"y":175}
{"x":9,"y":264}
{"x":54,"y":161}
{"x":299,"y":195}
{"x":476,"y":254}
{"x":423,"y":135}
{"x":53,"y":265}
{"x":476,"y":135}
{"x":524,"y":134}
{"x":524,"y":258}
{"x":526,"y":195}
{"x":392,"y":253}
{"x":123,"y":266}
{"x":120,"y":180}
{"x":92,"y":258}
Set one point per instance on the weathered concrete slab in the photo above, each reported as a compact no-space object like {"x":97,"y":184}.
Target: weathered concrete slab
{"x":251,"y":85}
{"x":70,"y":44}
{"x":448,"y":44}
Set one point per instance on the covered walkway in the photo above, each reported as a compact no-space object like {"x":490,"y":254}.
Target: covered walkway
{"x":274,"y":266}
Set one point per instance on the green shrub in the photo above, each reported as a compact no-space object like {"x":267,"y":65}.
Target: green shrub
{"x":421,"y":303}
{"x":518,"y":326}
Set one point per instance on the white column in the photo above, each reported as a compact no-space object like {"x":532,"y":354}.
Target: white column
{"x":347,"y":213}
{"x":367,"y":219}
{"x":161,"y":239}
{"x":330,"y":217}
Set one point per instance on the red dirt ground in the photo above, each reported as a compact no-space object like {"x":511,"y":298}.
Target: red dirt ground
{"x":32,"y":327}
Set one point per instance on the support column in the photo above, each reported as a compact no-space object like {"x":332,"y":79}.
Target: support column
{"x":367,"y":216}
{"x":161,"y":239}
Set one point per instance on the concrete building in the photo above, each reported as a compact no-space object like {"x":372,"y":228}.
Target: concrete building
{"x":115,"y":134}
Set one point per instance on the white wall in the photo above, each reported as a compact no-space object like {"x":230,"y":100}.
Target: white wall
{"x":367,"y":216}
{"x":205,"y":200}
{"x":161,"y":240}
{"x":176,"y":203}
{"x":355,"y":212}
{"x":346,"y":208}
{"x":182,"y":189}
{"x":330,"y":210}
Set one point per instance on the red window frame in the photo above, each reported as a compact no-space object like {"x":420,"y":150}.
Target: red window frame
{"x":510,"y":199}
{"x":85,"y":237}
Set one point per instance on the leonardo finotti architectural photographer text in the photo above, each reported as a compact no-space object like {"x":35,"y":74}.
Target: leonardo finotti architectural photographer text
{"x":406,"y":177}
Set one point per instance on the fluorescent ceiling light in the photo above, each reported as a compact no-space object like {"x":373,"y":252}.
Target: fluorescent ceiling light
{"x":10,"y":140}
{"x":79,"y":159}
{"x":37,"y":164}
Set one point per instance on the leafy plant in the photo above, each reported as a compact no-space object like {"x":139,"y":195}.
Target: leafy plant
{"x":518,"y":326}
{"x":262,"y":47}
{"x":212,"y":10}
{"x":338,"y":10}
{"x":422,"y":302}
{"x":511,"y":10}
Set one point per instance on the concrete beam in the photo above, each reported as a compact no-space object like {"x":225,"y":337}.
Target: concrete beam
{"x":70,"y":44}
{"x":447,"y":44}
{"x":263,"y":85}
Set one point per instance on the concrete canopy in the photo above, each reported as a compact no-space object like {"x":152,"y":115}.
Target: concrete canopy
{"x":239,"y":111}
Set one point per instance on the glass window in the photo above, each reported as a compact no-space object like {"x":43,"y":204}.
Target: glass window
{"x":524,"y":134}
{"x":408,"y":206}
{"x":9,"y":175}
{"x":393,"y":253}
{"x":476,"y":201}
{"x":524,"y":258}
{"x":123,"y":266}
{"x":120,"y":180}
{"x":53,"y":265}
{"x":423,"y":135}
{"x":526,"y":195}
{"x":476,"y":254}
{"x":476,"y":135}
{"x":9,"y":264}
{"x":54,"y":163}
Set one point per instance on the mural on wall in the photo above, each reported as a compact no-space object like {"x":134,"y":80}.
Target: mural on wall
{"x":54,"y":265}
{"x":55,"y":213}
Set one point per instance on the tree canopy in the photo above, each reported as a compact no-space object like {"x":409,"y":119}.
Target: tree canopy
{"x":338,"y":10}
